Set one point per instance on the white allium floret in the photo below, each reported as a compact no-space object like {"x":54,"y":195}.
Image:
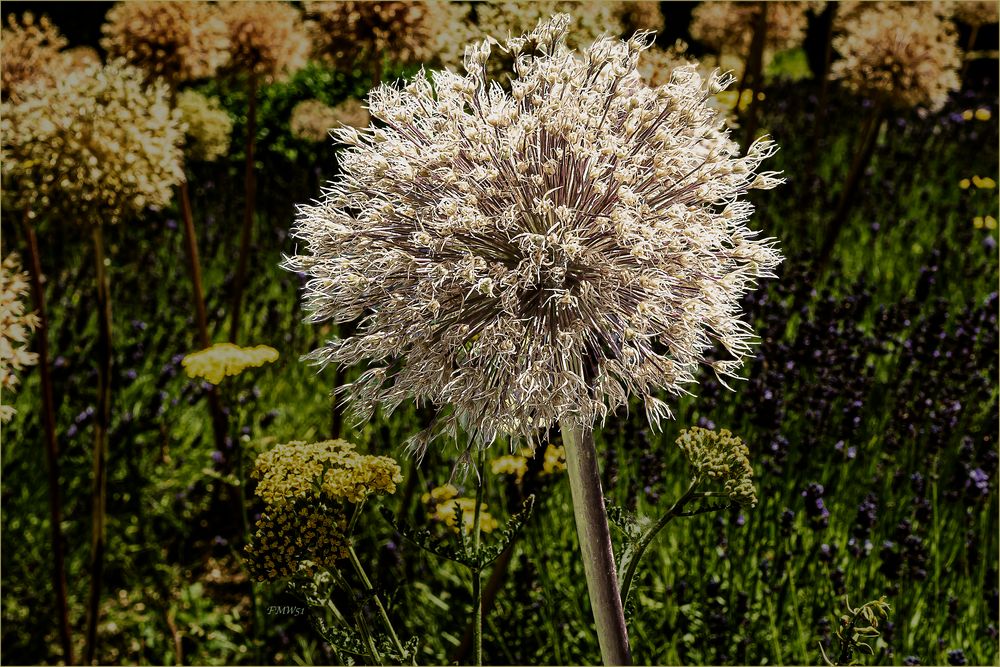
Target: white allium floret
{"x":540,"y":252}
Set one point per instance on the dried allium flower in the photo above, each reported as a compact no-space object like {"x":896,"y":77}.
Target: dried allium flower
{"x":267,"y":39}
{"x":179,"y":41}
{"x":312,"y":120}
{"x":901,"y":55}
{"x":657,"y":65}
{"x":346,"y":32}
{"x":727,"y":27}
{"x":30,"y":48}
{"x":722,"y":457}
{"x":444,"y":506}
{"x":331,"y":471}
{"x":16,"y":325}
{"x":537,"y":254}
{"x":225,"y":359}
{"x":98,"y":146}
{"x":297,"y":540}
{"x":208,"y":125}
{"x":76,"y":59}
{"x":976,"y":13}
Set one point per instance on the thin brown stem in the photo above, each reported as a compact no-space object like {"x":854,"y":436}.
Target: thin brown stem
{"x":968,"y":50}
{"x":824,"y":88}
{"x":595,"y":543}
{"x":102,"y":421}
{"x":250,"y":187}
{"x":752,"y":75}
{"x":51,"y":445}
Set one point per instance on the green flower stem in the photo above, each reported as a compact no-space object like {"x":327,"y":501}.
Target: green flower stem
{"x":595,"y":543}
{"x":630,"y":562}
{"x":356,"y":564}
{"x":477,"y":571}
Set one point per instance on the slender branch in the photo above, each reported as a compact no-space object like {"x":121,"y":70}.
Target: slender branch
{"x":360,"y":570}
{"x":51,"y":446}
{"x":250,"y":187}
{"x":595,"y":543}
{"x":102,"y":420}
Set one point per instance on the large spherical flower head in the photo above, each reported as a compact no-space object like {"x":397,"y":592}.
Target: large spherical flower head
{"x":267,"y":39}
{"x":96,"y":147}
{"x":540,"y":253}
{"x":30,"y":47}
{"x":903,"y":55}
{"x":179,"y":41}
{"x":727,"y":27}
{"x":976,"y":13}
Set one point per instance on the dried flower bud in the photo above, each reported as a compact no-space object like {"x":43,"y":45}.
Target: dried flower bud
{"x":722,"y":457}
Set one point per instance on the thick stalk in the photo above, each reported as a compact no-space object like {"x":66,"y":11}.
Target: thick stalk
{"x":51,"y":446}
{"x":477,"y":572}
{"x":219,"y":426}
{"x":250,"y":187}
{"x":847,"y":196}
{"x":102,"y":420}
{"x":595,"y":543}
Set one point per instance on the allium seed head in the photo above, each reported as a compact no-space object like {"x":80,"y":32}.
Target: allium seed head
{"x":976,"y":13}
{"x":537,"y":253}
{"x":728,"y":27}
{"x":267,"y":39}
{"x":179,"y":41}
{"x":312,"y":120}
{"x":904,"y":55}
{"x":30,"y":49}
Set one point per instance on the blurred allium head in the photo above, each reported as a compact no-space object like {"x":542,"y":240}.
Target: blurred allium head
{"x":345,"y":32}
{"x":208,"y":125}
{"x":179,"y":41}
{"x":640,"y":15}
{"x":902,"y":55}
{"x":727,"y":27}
{"x":657,"y":65}
{"x":225,"y":359}
{"x":267,"y":39}
{"x":536,"y":254}
{"x":96,"y":147}
{"x":16,"y":325}
{"x":29,"y":49}
{"x":312,"y":120}
{"x":722,"y":457}
{"x":976,"y":12}
{"x":76,"y":59}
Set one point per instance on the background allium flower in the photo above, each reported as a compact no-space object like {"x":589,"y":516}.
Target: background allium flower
{"x":312,"y":120}
{"x":207,"y":125}
{"x":30,"y":47}
{"x":727,"y":27}
{"x":539,"y":253}
{"x":976,"y":13}
{"x":16,"y":326}
{"x":903,"y":55}
{"x":95,"y":147}
{"x":224,"y":359}
{"x":77,"y":58}
{"x":640,"y":15}
{"x":345,"y":32}
{"x":657,"y":65}
{"x":267,"y":39}
{"x":179,"y":41}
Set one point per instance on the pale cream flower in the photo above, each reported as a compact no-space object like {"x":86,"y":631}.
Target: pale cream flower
{"x":179,"y":41}
{"x":976,"y":13}
{"x":267,"y":39}
{"x":97,"y":146}
{"x":727,"y":27}
{"x":29,"y":48}
{"x":16,"y":327}
{"x":902,"y":55}
{"x":537,"y":253}
{"x":225,"y":359}
{"x":312,"y":120}
{"x":208,"y":126}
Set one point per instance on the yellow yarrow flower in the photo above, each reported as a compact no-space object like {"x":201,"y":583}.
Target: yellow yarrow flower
{"x":449,"y":511}
{"x":983,"y":114}
{"x":967,"y":114}
{"x":555,"y":460}
{"x":964,"y":183}
{"x":296,"y":540}
{"x":225,"y":359}
{"x":510,"y":465}
{"x":331,"y":471}
{"x":440,"y":494}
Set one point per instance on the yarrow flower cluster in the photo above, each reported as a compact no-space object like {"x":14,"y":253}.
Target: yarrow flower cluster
{"x":721,"y":457}
{"x":266,"y":39}
{"x":225,"y":359}
{"x":208,"y":127}
{"x":458,"y":513}
{"x":305,"y":487}
{"x":728,"y":27}
{"x":30,"y":49}
{"x":312,"y":120}
{"x":902,"y":55}
{"x":97,"y":146}
{"x":517,"y":464}
{"x":179,"y":41}
{"x":16,"y":326}
{"x":538,"y":253}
